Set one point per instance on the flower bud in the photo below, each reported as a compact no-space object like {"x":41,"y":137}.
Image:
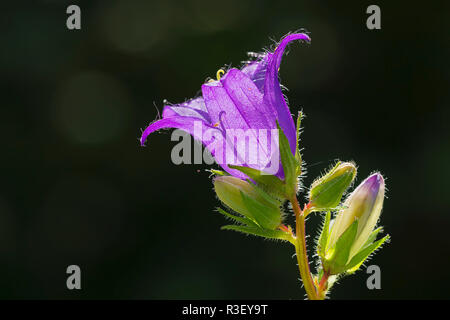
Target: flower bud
{"x":326,"y":192}
{"x":244,"y":198}
{"x":229,"y":189}
{"x":363,"y":205}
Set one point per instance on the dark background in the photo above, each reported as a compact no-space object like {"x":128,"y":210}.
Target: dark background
{"x":76,"y":187}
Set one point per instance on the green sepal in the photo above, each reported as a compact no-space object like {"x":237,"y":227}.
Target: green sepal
{"x":373,"y":236}
{"x":324,"y":235}
{"x":298,"y":155}
{"x":218,"y":172}
{"x":265,"y":195}
{"x":319,"y":274}
{"x":289,"y":163}
{"x":336,"y":264}
{"x":363,"y":254}
{"x":242,"y":220}
{"x":260,"y":232}
{"x":270,"y":183}
{"x":266,"y":215}
{"x":298,"y":158}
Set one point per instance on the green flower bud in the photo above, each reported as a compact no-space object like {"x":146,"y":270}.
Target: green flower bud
{"x":326,"y":192}
{"x":251,"y":202}
{"x":229,"y":189}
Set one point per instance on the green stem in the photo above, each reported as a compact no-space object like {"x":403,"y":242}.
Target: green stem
{"x":300,"y":249}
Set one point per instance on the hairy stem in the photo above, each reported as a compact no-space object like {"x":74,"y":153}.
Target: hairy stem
{"x":323,"y":286}
{"x":302,"y":256}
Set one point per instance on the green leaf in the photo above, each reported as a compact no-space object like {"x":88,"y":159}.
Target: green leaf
{"x":260,"y":232}
{"x":323,"y":239}
{"x":270,"y":183}
{"x":363,"y":254}
{"x":289,"y":163}
{"x":266,"y":215}
{"x":243,"y":220}
{"x":337,"y":263}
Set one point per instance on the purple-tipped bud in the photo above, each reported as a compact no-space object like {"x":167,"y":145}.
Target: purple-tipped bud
{"x":364,"y":204}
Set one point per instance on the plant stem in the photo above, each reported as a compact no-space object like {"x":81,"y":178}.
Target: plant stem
{"x":300,"y":249}
{"x":323,"y":286}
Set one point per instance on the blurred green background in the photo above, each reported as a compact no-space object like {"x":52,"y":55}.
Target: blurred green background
{"x":76,"y":187}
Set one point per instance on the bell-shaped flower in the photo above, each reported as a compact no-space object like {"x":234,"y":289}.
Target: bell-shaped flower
{"x":244,"y":105}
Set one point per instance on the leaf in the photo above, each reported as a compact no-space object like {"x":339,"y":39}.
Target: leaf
{"x":242,"y":220}
{"x":266,"y":215}
{"x":289,"y":163}
{"x":269,"y":182}
{"x":342,"y":248}
{"x":323,"y":239}
{"x":363,"y":254}
{"x":260,"y":232}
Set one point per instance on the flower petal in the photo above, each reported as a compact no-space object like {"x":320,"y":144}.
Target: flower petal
{"x":199,"y":130}
{"x":221,"y":107}
{"x":235,"y":103}
{"x":193,"y":108}
{"x":248,"y":100}
{"x":272,"y":90}
{"x":178,"y":122}
{"x":256,"y":70}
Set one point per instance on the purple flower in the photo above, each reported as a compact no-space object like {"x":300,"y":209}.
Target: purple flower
{"x":246,"y":102}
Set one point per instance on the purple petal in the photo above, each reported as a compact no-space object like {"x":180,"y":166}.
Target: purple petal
{"x":373,"y":184}
{"x":224,"y":114}
{"x":256,"y":71}
{"x":248,"y":100}
{"x":188,"y":124}
{"x":193,"y":108}
{"x":221,"y":107}
{"x":236,"y":103}
{"x":272,"y":90}
{"x":178,"y":122}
